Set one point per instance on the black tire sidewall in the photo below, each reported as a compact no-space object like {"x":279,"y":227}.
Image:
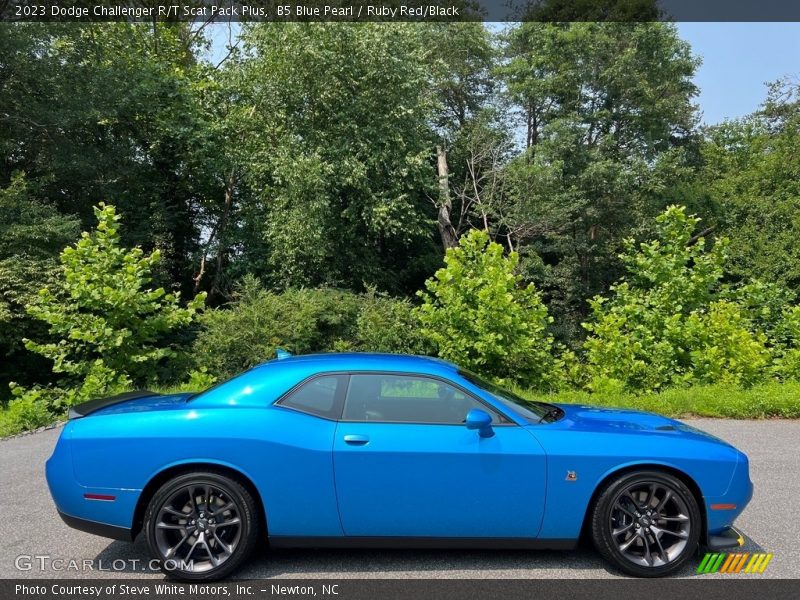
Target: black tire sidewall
{"x":601,"y":522}
{"x":249,"y":522}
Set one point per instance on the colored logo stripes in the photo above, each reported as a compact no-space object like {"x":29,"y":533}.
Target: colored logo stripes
{"x":741,"y":562}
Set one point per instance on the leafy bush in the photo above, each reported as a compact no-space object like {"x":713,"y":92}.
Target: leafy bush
{"x":257,"y":322}
{"x":787,"y":360}
{"x":723,"y":349}
{"x":478,"y":314}
{"x":388,"y":324}
{"x":24,"y":413}
{"x":108,"y":327}
{"x":667,"y":322}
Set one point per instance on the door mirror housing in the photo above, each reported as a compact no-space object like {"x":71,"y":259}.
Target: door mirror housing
{"x":480,"y":420}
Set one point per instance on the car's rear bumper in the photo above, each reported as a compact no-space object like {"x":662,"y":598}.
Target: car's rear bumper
{"x":102,"y":511}
{"x":102,"y":529}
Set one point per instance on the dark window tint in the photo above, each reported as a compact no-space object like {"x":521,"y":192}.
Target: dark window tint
{"x":532,"y":411}
{"x":317,"y":396}
{"x":408,"y":399}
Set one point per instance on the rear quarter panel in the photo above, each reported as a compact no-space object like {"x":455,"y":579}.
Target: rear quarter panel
{"x":286,"y":454}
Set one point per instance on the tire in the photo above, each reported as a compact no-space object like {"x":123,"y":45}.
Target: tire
{"x":201,"y":526}
{"x":646,"y":523}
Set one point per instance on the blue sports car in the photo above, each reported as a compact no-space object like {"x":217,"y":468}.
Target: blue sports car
{"x":372,"y":450}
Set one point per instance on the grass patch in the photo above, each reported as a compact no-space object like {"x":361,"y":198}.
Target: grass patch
{"x":769,"y":400}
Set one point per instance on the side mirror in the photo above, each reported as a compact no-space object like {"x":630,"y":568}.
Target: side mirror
{"x":480,"y":420}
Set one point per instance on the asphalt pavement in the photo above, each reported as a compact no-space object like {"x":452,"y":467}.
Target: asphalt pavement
{"x":37,"y":544}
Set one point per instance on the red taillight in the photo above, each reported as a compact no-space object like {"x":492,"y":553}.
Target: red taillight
{"x":106,"y":497}
{"x":723,"y":507}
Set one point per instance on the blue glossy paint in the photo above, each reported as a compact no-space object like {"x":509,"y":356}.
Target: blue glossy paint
{"x":322,"y":478}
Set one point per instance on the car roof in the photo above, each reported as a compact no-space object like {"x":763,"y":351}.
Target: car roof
{"x":275,"y":377}
{"x":353,"y":361}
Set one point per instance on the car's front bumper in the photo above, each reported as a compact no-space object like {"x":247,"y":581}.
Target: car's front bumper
{"x":727,"y":539}
{"x":722,"y":511}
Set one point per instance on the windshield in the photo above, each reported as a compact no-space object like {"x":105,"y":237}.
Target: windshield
{"x":531,"y":410}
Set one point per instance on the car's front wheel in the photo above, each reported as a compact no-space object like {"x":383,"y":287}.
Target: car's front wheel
{"x":201,"y":526}
{"x":646,"y":523}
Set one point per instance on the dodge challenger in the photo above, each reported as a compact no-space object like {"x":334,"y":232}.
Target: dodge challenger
{"x":393,"y":451}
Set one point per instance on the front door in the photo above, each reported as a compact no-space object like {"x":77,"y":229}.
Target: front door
{"x":406,"y":465}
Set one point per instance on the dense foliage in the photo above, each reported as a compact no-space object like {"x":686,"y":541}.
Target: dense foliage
{"x":667,"y":322}
{"x":477,"y":313}
{"x":312,"y":177}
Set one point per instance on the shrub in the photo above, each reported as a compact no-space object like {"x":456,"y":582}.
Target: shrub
{"x":787,"y":360}
{"x":478,"y":313}
{"x":257,"y":322}
{"x":23,"y":413}
{"x":724,"y":350}
{"x":388,"y":324}
{"x":667,"y":322}
{"x":108,"y":326}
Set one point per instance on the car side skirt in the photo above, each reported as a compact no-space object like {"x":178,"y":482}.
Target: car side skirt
{"x":396,"y":542}
{"x":102,"y":529}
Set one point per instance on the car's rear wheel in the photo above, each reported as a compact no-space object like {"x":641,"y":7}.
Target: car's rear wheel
{"x":646,"y":523}
{"x":201,"y":526}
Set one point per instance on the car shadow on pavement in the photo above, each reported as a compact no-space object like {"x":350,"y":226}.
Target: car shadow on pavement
{"x":583,"y":562}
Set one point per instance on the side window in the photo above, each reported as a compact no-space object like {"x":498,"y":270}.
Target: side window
{"x":318,"y":396}
{"x":408,"y":399}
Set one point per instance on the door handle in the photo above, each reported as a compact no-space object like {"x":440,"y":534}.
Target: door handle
{"x":356,"y":440}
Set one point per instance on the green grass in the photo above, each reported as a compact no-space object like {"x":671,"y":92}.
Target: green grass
{"x":769,"y":400}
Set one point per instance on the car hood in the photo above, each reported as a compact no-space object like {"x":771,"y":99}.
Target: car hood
{"x":621,"y":420}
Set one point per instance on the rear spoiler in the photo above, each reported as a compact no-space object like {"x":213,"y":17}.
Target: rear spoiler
{"x":87,"y":408}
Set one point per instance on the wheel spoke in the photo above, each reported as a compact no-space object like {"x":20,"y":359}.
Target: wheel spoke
{"x":172,"y":550}
{"x":635,"y":502}
{"x":678,"y":534}
{"x":224,"y":508}
{"x":625,"y":545}
{"x":650,"y":496}
{"x":214,"y":560}
{"x":661,"y":552}
{"x":225,"y":547}
{"x":195,"y":504}
{"x":621,"y":530}
{"x":233,"y":521}
{"x":678,"y":519}
{"x":173,"y":511}
{"x":620,"y":507}
{"x":664,"y":500}
{"x":648,"y":557}
{"x":170,"y":526}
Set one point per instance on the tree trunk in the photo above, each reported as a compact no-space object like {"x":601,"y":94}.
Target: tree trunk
{"x":445,"y":205}
{"x":222,"y":250}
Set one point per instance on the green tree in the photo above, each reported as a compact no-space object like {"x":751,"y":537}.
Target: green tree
{"x":32,"y":234}
{"x":667,"y":322}
{"x":751,"y":169}
{"x":609,"y":127}
{"x":478,"y":313}
{"x":105,"y":320}
{"x":91,"y":111}
{"x":342,"y":157}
